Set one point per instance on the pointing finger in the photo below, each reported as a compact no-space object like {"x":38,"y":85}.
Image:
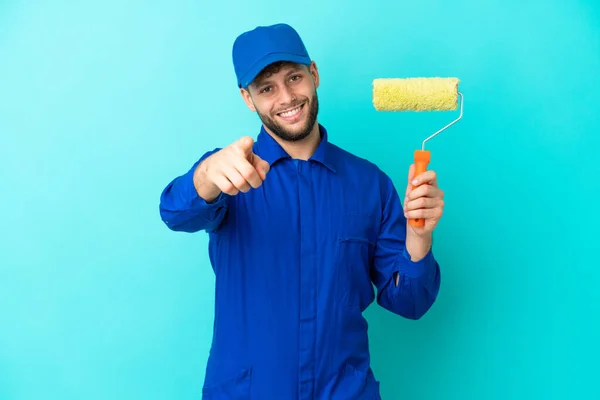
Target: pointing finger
{"x":244,"y":144}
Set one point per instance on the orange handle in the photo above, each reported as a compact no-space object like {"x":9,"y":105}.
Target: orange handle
{"x":422,"y":158}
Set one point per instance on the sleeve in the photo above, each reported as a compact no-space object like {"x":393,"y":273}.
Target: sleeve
{"x":419,"y":282}
{"x":182,"y":209}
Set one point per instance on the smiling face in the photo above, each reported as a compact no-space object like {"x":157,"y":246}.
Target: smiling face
{"x":285,"y":97}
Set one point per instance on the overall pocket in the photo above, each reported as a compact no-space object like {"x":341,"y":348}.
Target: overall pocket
{"x":351,"y":383}
{"x":365,"y":381}
{"x":236,"y":387}
{"x":354,"y":258}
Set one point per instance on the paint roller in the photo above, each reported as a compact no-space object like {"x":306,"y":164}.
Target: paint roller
{"x":418,"y":94}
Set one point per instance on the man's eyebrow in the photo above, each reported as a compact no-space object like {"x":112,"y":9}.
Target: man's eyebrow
{"x":261,"y":82}
{"x":265,"y":80}
{"x":294,"y":69}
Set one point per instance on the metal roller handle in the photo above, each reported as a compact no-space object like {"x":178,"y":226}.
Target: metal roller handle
{"x":450,"y":124}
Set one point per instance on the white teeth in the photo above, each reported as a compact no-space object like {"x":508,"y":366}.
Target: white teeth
{"x":290,"y":113}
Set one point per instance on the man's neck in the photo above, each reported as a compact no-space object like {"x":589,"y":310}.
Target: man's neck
{"x":302,"y":149}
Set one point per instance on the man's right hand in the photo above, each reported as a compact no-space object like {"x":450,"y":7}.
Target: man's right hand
{"x":231,"y":170}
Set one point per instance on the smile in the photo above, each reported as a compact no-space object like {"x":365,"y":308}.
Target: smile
{"x":291,"y":113}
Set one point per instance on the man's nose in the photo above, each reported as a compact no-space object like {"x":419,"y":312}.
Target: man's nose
{"x":286,"y":96}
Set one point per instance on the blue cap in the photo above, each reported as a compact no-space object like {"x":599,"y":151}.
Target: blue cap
{"x":264,"y":45}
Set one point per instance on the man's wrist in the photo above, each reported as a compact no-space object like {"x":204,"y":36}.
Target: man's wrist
{"x":204,"y":189}
{"x":418,"y":246}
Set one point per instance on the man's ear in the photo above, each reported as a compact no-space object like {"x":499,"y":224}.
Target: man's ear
{"x":247,"y":99}
{"x":314,"y":71}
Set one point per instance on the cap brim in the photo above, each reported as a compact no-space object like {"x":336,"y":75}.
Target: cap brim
{"x":266,"y":61}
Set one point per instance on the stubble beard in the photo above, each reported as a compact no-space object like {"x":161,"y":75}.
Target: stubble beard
{"x":294,"y":136}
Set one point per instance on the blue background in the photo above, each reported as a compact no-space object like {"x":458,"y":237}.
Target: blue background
{"x":102,"y":103}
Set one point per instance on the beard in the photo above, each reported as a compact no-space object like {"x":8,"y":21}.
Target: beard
{"x":304,"y":130}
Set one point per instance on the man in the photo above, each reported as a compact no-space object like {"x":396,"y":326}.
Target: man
{"x":300,"y":231}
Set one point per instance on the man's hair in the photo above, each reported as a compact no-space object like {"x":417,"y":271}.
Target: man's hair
{"x":272,"y":69}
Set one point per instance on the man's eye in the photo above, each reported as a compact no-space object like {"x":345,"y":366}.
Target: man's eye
{"x":265,"y":89}
{"x":295,"y":77}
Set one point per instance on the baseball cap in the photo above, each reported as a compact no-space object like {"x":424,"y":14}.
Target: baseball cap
{"x":264,"y":45}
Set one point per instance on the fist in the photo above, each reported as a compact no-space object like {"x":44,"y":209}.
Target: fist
{"x":231,"y":170}
{"x":424,"y":199}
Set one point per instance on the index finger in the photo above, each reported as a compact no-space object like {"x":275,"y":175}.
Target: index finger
{"x":429,"y":177}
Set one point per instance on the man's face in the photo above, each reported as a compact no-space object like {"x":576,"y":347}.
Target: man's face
{"x":285,"y":98}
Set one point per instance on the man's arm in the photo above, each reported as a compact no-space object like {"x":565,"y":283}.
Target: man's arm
{"x":407,"y":284}
{"x":182,"y":208}
{"x":199,"y":199}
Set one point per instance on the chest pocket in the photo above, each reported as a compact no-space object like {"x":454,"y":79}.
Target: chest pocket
{"x":355,"y":251}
